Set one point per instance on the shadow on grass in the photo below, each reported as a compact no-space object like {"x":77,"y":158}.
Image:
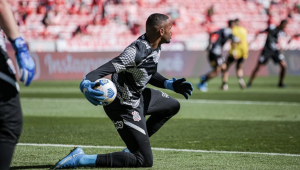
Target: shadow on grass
{"x":32,"y":167}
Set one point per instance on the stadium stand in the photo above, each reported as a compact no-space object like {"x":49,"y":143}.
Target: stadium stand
{"x":113,"y":19}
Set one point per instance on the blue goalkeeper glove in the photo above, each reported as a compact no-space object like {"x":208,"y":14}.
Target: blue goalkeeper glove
{"x":180,"y":86}
{"x":93,"y":96}
{"x":25,"y":62}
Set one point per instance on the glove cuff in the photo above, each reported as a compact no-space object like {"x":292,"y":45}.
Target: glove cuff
{"x":19,"y":44}
{"x":81,"y":86}
{"x":169,"y":84}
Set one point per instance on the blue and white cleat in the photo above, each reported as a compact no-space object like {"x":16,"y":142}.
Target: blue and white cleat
{"x":71,"y":160}
{"x":126,"y":150}
{"x":202,"y":87}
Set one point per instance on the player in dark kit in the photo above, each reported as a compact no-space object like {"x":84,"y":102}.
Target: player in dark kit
{"x":131,"y":71}
{"x":271,"y":50}
{"x":10,"y":108}
{"x":215,"y":53}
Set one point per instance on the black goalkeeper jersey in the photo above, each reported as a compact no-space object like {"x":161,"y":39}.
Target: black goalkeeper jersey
{"x":132,"y":70}
{"x":272,"y":38}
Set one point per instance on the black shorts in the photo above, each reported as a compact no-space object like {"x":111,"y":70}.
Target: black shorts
{"x":267,"y":54}
{"x":10,"y":107}
{"x":131,"y":122}
{"x":215,"y":60}
{"x":239,"y":61}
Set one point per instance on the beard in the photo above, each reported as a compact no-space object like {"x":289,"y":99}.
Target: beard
{"x":167,"y":41}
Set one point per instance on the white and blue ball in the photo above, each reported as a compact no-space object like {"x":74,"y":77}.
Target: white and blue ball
{"x":109,"y":89}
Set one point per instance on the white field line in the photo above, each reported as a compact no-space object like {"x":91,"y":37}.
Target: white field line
{"x":200,"y":101}
{"x":239,"y":102}
{"x":160,"y":149}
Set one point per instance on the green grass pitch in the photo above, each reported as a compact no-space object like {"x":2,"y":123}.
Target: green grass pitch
{"x":262,"y":119}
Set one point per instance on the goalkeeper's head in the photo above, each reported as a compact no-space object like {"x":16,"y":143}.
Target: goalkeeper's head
{"x":159,"y":28}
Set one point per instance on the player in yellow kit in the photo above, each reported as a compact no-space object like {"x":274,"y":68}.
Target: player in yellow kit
{"x":238,"y":53}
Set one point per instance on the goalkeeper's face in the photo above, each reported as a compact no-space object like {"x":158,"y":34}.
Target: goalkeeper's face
{"x":166,"y":32}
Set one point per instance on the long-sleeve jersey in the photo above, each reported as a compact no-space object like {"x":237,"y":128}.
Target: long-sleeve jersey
{"x":273,"y":34}
{"x":132,"y":70}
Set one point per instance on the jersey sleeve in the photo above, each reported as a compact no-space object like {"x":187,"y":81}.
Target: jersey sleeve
{"x":157,"y":80}
{"x":100,"y":72}
{"x":266,"y":30}
{"x":129,"y":58}
{"x":218,"y":31}
{"x":125,"y":60}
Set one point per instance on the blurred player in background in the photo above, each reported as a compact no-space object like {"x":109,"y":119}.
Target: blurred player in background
{"x":271,"y":50}
{"x":131,"y":71}
{"x":238,"y":53}
{"x":215,"y":53}
{"x":10,"y":108}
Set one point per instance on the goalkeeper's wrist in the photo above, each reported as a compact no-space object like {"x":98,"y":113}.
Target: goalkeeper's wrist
{"x":169,"y":84}
{"x":19,"y":44}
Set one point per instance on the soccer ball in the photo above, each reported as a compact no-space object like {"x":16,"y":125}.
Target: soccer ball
{"x":109,"y":89}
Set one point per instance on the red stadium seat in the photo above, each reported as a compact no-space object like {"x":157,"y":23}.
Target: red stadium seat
{"x":190,"y":21}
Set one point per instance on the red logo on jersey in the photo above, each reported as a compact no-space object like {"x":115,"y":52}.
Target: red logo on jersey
{"x":214,"y":38}
{"x":136,"y":116}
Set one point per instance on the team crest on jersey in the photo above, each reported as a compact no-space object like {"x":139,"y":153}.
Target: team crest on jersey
{"x":136,"y":116}
{"x":165,"y":95}
{"x":118,"y":124}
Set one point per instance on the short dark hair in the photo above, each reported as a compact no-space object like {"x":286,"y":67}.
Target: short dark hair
{"x":237,"y":20}
{"x":230,"y":22}
{"x":156,"y":19}
{"x":283,"y":22}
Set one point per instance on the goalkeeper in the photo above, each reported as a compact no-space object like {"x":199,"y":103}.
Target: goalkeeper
{"x":11,"y":118}
{"x":131,"y":71}
{"x":238,"y":53}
